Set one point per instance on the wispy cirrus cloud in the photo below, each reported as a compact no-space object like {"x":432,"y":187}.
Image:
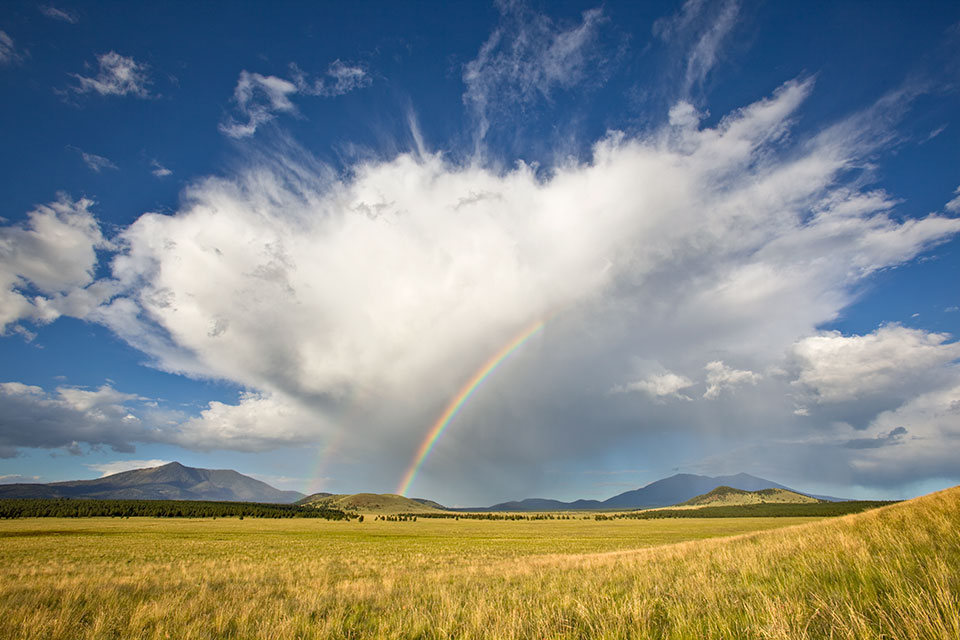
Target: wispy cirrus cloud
{"x":116,"y":75}
{"x":94,"y":162}
{"x":56,"y":13}
{"x":954,"y":205}
{"x":159,"y":170}
{"x":699,"y":29}
{"x":526,"y":58}
{"x":340,"y":78}
{"x":258,"y":99}
{"x":8,"y":51}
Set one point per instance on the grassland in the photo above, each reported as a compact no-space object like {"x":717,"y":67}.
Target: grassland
{"x":887,"y":573}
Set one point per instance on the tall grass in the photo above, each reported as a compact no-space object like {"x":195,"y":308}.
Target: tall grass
{"x":888,"y":573}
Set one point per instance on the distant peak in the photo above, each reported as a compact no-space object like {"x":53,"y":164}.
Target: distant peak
{"x":679,"y":475}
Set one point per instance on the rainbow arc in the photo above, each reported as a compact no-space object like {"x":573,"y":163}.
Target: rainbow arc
{"x":453,"y":408}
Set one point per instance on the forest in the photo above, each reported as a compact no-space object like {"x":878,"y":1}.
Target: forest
{"x":80,"y":508}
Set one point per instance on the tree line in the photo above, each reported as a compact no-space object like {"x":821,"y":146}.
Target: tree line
{"x":86,"y":508}
{"x":465,"y":515}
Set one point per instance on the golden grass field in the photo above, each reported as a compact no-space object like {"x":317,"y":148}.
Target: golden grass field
{"x":888,"y":573}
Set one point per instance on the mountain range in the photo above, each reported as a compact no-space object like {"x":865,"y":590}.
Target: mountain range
{"x":662,"y":493}
{"x":172,"y":481}
{"x":175,"y":481}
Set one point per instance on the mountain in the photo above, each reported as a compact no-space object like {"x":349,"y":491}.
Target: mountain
{"x":381,"y":503}
{"x":682,"y":487}
{"x":728,"y":496}
{"x":172,"y":481}
{"x":662,"y":493}
{"x":431,"y":504}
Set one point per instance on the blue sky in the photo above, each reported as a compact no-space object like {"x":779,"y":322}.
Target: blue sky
{"x":280,"y":238}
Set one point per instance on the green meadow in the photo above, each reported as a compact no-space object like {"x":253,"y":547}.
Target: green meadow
{"x":891,"y":572}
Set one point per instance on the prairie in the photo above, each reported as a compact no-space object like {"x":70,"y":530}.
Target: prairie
{"x":887,"y":573}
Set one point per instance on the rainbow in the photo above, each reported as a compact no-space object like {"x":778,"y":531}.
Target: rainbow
{"x":458,"y":400}
{"x":331,"y":449}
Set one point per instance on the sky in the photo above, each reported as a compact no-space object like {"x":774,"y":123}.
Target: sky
{"x":284,"y":238}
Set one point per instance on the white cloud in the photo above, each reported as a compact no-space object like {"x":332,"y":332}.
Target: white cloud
{"x":933,"y":134}
{"x":398,"y":280}
{"x":915,"y":441}
{"x":118,"y":466}
{"x":722,"y":378}
{"x":91,"y":402}
{"x":701,"y":27}
{"x":837,"y":368}
{"x":525,"y":59}
{"x":95,"y":162}
{"x":258,"y":98}
{"x":159,"y":170}
{"x":35,"y":418}
{"x":257,"y":422}
{"x":922,"y":434}
{"x":341,"y":78}
{"x":117,"y":75}
{"x":354,"y":304}
{"x":8,"y":52}
{"x":954,"y":205}
{"x":659,"y":385}
{"x":47,"y":263}
{"x":16,"y":478}
{"x":68,"y":417}
{"x":57,"y":14}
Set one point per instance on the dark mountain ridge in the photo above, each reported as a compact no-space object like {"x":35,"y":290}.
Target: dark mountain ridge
{"x":172,"y":481}
{"x":175,"y":481}
{"x":661,"y":493}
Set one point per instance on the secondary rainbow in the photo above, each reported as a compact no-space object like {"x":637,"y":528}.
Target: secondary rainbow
{"x":462,"y":396}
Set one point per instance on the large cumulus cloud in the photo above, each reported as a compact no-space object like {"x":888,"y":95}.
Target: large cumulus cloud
{"x":361,"y":302}
{"x":683,"y":273}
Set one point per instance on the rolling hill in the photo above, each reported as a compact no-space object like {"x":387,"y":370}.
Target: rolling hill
{"x":728,"y":496}
{"x":172,"y":481}
{"x":376,"y":503}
